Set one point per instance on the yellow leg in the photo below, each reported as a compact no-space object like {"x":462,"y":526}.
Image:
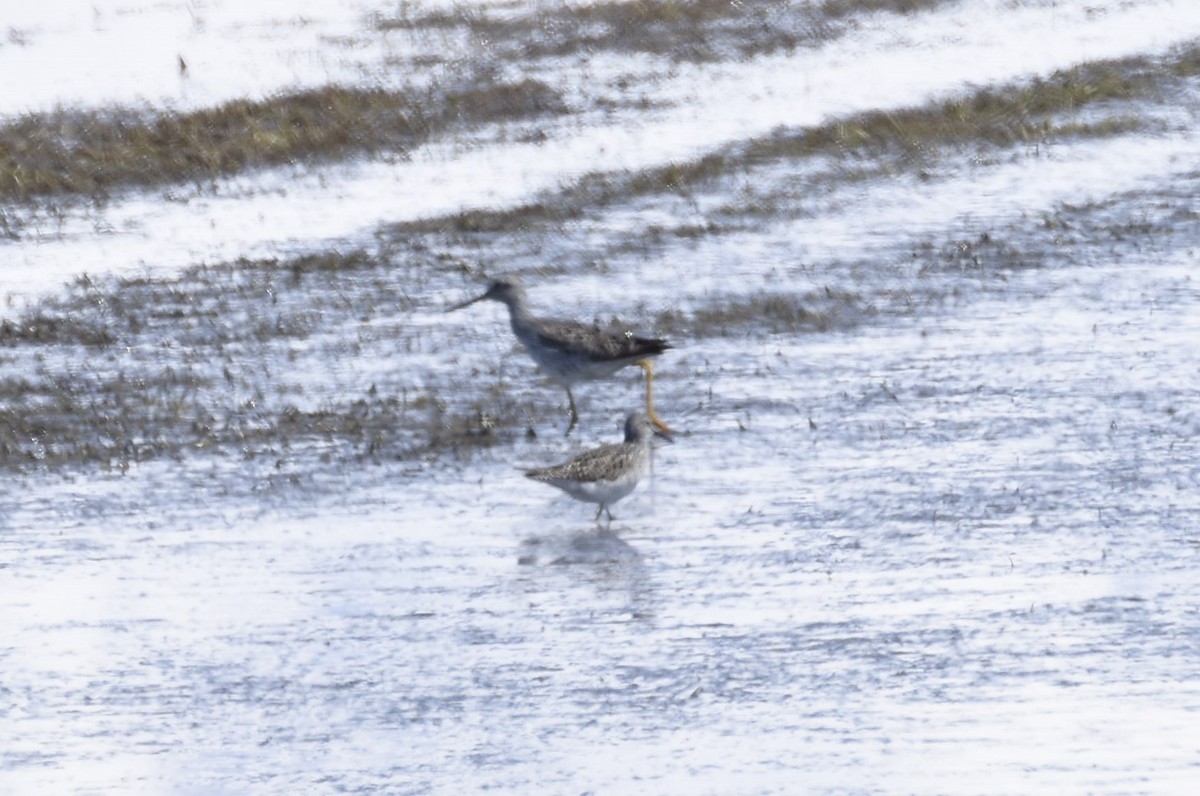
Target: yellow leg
{"x":645,"y":365}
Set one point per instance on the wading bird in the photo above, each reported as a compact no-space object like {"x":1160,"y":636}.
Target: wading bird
{"x":571,"y":352}
{"x":606,"y":474}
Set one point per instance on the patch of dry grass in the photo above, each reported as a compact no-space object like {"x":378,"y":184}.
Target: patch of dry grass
{"x":773,"y":313}
{"x":683,"y":30}
{"x":1001,"y":116}
{"x":96,"y":152}
{"x":843,"y":8}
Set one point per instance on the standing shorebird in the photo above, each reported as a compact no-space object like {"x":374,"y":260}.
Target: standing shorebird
{"x":606,"y":474}
{"x":571,"y":352}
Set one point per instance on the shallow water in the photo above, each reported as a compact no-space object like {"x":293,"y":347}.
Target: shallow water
{"x":977,"y":567}
{"x":949,"y":546}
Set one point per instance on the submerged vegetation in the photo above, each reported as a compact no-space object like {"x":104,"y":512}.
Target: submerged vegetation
{"x":215,"y":360}
{"x":256,"y":360}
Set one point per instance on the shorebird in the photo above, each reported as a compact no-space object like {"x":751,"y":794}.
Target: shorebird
{"x":606,"y":474}
{"x":571,"y":352}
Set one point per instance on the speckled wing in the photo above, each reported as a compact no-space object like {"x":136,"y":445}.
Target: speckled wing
{"x":599,"y":464}
{"x":604,"y":345}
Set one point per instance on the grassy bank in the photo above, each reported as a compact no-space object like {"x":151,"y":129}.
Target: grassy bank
{"x":94,"y":152}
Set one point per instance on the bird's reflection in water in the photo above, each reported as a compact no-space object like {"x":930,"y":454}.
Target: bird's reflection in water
{"x":598,"y":557}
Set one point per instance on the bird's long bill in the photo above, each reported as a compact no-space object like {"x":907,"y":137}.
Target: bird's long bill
{"x":467,"y":303}
{"x":661,"y":429}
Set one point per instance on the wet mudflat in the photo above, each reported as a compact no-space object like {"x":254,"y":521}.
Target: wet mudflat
{"x":930,"y":522}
